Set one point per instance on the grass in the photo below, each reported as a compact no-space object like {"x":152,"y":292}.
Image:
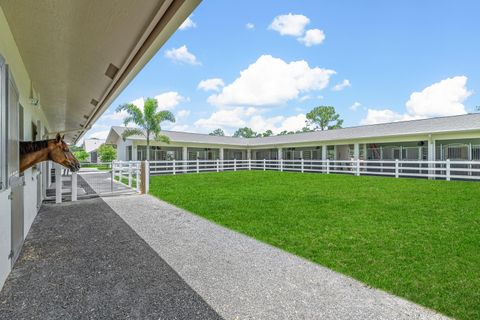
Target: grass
{"x":417,"y":239}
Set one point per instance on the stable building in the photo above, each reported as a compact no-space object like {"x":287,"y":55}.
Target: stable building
{"x":441,"y":138}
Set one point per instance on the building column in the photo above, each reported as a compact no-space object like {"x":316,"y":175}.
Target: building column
{"x":356,"y":151}
{"x":249,"y":154}
{"x":221,"y":157}
{"x":431,"y":154}
{"x":365,"y":156}
{"x":185,"y":158}
{"x":324,"y":152}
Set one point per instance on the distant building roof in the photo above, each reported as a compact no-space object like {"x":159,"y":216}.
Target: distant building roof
{"x":467,"y":122}
{"x":90,"y":145}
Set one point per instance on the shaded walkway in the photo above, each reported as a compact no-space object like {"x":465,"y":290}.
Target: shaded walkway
{"x":81,"y":261}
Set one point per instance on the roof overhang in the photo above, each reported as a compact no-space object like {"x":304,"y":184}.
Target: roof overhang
{"x":80,"y":54}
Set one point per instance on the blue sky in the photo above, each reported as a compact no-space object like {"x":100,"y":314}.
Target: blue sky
{"x":264,"y":64}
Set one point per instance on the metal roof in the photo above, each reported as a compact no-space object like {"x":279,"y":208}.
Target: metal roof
{"x":467,"y":122}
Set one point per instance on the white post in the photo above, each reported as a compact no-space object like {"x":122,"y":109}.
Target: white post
{"x":356,"y":151}
{"x":137,"y":176}
{"x":185,"y":159}
{"x":264,"y":164}
{"x":173,"y":166}
{"x":249,"y":164}
{"x":281,"y":165}
{"x":431,"y":156}
{"x":120,"y":172}
{"x":49,"y":174}
{"x":234,"y":164}
{"x":130,"y":174}
{"x":396,"y":168}
{"x":357,"y":173}
{"x":448,"y":170}
{"x":222,"y":157}
{"x":324,"y":152}
{"x":328,"y":166}
{"x":302,"y":165}
{"x":198,"y":166}
{"x":249,"y":154}
{"x":74,"y":186}
{"x":218,"y":165}
{"x":58,"y":183}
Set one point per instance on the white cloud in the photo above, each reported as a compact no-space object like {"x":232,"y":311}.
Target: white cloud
{"x":182,"y":55}
{"x":169,"y":100}
{"x":166,"y":101}
{"x":312,"y":37}
{"x":183,"y":114}
{"x":231,"y":119}
{"x":444,"y":98}
{"x":250,"y":26}
{"x":211,"y":84}
{"x":342,"y":85}
{"x":383,"y":116}
{"x":187,"y":24}
{"x":290,"y":24}
{"x":305,"y":97}
{"x":355,"y":105}
{"x":272,"y":81}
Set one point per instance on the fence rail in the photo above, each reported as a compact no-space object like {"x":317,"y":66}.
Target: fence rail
{"x":128,"y":173}
{"x":447,"y":170}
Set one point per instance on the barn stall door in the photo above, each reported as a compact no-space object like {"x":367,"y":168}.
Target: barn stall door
{"x":16,"y":180}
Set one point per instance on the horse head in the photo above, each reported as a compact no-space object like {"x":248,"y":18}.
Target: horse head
{"x":60,"y":153}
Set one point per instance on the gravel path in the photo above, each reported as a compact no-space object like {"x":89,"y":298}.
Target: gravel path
{"x":242,"y":278}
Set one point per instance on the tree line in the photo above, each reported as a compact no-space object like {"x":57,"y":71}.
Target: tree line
{"x":319,"y":118}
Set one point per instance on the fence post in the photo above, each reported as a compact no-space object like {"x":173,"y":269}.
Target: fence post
{"x":137,"y":176}
{"x":173,"y":165}
{"x":58,"y":183}
{"x":234,"y":164}
{"x":130,"y":174}
{"x":112,"y":172}
{"x":120,"y":173}
{"x":198,"y":166}
{"x":357,"y":173}
{"x":145,"y":177}
{"x":448,"y":169}
{"x":328,"y":166}
{"x":264,"y":164}
{"x":218,"y":165}
{"x":396,"y":168}
{"x":281,"y":165}
{"x":249,"y":164}
{"x":302,"y":165}
{"x":74,"y":186}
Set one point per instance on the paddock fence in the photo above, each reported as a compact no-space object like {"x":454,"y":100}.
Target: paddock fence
{"x":442,"y":170}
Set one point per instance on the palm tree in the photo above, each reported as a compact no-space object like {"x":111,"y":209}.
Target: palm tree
{"x":148,"y":121}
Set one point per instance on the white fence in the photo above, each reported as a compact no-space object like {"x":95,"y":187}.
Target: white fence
{"x":447,"y":169}
{"x":127,"y":172}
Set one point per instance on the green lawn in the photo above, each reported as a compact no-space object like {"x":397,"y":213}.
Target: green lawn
{"x":417,"y":239}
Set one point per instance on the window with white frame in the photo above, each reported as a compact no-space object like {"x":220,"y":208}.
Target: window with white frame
{"x":3,"y":124}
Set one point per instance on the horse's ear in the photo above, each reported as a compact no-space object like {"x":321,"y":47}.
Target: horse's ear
{"x":58,"y":138}
{"x":63,"y":137}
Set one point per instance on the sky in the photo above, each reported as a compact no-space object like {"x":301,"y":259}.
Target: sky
{"x":265,"y":64}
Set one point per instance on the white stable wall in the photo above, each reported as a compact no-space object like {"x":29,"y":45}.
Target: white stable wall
{"x":11,"y":54}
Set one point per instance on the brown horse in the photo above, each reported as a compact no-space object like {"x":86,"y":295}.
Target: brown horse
{"x":55,"y":150}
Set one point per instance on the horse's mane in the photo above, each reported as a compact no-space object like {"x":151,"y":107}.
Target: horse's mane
{"x":32,"y":146}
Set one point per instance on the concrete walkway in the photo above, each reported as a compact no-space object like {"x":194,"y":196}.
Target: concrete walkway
{"x":242,"y":278}
{"x":81,"y":261}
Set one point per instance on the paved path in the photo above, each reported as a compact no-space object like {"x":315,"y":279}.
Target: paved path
{"x":101,"y":182}
{"x":242,"y":278}
{"x":81,"y":261}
